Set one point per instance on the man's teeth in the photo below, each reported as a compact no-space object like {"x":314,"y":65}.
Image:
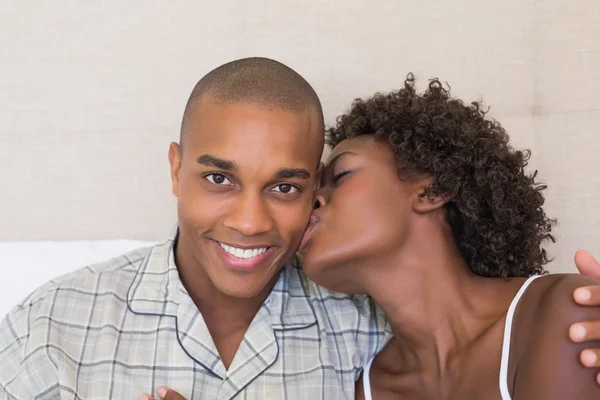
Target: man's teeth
{"x":241,"y":253}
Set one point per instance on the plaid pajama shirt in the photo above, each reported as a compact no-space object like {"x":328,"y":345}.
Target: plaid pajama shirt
{"x":120,"y":328}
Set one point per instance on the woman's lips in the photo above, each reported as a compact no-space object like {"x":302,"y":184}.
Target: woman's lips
{"x":313,"y":221}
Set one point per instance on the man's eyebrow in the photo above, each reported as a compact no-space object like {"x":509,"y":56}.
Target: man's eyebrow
{"x":289,"y":173}
{"x":228,"y":165}
{"x":212,"y":161}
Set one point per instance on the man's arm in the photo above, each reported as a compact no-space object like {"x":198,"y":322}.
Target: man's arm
{"x":26,"y":369}
{"x":12,"y":341}
{"x":550,"y":366}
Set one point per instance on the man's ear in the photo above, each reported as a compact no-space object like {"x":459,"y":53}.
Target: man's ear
{"x":425,"y":202}
{"x":175,"y":162}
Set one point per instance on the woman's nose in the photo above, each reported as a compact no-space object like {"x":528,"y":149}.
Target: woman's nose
{"x":320,"y":198}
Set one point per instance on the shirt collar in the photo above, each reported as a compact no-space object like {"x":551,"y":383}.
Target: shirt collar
{"x":289,"y":301}
{"x":158,"y":290}
{"x":156,"y":287}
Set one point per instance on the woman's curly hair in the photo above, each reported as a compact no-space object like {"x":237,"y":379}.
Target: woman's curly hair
{"x":495,"y":207}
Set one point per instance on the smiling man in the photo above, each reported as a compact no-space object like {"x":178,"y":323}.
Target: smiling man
{"x":244,"y":174}
{"x":220,"y":310}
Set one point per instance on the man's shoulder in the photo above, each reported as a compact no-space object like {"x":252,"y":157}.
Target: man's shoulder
{"x":352,"y":322}
{"x":320,"y":295}
{"x":113,"y":276}
{"x":339,"y":309}
{"x":47,"y":332}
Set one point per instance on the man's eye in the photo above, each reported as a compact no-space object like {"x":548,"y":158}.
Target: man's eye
{"x":218,"y":179}
{"x":285,"y":188}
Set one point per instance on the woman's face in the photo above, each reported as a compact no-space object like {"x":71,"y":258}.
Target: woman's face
{"x":364,"y":214}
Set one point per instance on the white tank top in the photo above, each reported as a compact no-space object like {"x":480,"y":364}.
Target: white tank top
{"x":505,"y":347}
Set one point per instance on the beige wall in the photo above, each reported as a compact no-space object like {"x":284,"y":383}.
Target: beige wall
{"x":92,"y":92}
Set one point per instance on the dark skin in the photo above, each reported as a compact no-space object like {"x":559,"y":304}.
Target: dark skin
{"x":225,"y":196}
{"x":193,"y":195}
{"x":448,"y":323}
{"x":387,"y":373}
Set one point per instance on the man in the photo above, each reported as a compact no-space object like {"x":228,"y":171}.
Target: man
{"x":219,"y":310}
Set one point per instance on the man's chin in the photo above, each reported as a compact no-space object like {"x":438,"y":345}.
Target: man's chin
{"x":245,"y":286}
{"x":236,"y":292}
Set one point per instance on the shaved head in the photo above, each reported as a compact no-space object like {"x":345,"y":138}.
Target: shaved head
{"x":244,"y":175}
{"x":258,"y":81}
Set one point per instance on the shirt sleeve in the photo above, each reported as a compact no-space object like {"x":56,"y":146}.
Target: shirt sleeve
{"x":13,"y":337}
{"x":26,"y":368}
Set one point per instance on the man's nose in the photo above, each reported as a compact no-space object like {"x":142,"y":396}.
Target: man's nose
{"x":250,"y":216}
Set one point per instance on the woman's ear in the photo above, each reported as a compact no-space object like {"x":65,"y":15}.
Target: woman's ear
{"x":424,"y":202}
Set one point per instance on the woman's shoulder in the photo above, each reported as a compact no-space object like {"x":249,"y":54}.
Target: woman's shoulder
{"x":545,"y":360}
{"x":549,"y":302}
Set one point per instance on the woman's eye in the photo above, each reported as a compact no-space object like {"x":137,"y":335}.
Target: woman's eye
{"x":336,"y":177}
{"x":218,"y":179}
{"x":285,"y":188}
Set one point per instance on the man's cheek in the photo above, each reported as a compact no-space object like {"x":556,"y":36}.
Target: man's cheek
{"x":298,"y":231}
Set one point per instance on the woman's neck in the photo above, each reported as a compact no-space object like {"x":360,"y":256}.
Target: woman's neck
{"x":436,"y":306}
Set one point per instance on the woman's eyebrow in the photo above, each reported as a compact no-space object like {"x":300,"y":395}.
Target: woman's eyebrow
{"x":337,"y":157}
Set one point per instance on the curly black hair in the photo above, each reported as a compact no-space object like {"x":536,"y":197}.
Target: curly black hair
{"x":495,"y":207}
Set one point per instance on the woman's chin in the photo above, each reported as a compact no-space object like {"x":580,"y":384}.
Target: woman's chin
{"x":314,"y":266}
{"x":307,"y":258}
{"x":311,"y":248}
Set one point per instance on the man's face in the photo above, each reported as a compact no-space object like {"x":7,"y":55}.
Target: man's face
{"x":244,"y":182}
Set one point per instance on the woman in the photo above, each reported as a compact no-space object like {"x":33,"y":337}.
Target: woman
{"x":426,"y":208}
